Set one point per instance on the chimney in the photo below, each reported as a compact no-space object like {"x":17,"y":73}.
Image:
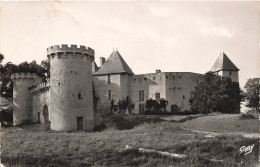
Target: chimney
{"x":158,"y":71}
{"x":102,"y":61}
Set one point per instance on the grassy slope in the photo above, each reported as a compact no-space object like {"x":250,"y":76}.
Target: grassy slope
{"x":224,"y":123}
{"x":106,"y":148}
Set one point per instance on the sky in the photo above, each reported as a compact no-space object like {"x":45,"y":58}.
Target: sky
{"x":171,"y":36}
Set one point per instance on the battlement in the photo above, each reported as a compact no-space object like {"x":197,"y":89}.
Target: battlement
{"x":24,"y":75}
{"x":63,"y":49}
{"x":43,"y":87}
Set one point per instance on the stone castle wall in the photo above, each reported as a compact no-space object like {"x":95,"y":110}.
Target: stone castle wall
{"x":41,"y":103}
{"x":22,"y":98}
{"x":232,"y":74}
{"x":71,"y":87}
{"x":68,"y":96}
{"x":150,"y":84}
{"x":175,"y":87}
{"x":179,"y":86}
{"x":102,"y":86}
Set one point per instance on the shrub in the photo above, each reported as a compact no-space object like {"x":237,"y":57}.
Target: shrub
{"x":6,"y":117}
{"x":121,"y":122}
{"x":157,"y":112}
{"x":246,"y":116}
{"x":186,"y":112}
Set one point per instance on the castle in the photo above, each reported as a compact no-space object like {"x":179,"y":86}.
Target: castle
{"x":66,"y":100}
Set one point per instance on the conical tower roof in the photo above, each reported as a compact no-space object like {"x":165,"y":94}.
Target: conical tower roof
{"x":115,"y":64}
{"x":223,"y":63}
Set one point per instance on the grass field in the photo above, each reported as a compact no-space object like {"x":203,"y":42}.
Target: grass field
{"x":33,"y":146}
{"x":224,"y":123}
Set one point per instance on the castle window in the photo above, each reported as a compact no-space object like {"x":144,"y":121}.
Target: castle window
{"x":144,"y":78}
{"x":166,"y":77}
{"x":109,"y":94}
{"x":80,"y":95}
{"x":134,"y":79}
{"x":173,"y":76}
{"x":153,"y":78}
{"x":183,"y":97}
{"x":141,"y":95}
{"x":230,"y":73}
{"x":108,"y":79}
{"x":157,"y":96}
{"x":180,"y":77}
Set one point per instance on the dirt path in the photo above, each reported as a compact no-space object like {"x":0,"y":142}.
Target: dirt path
{"x":214,"y":134}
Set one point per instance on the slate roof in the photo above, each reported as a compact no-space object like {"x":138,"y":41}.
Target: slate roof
{"x":115,"y":64}
{"x":223,"y":63}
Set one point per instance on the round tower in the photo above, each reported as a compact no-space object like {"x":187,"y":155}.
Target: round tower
{"x":71,"y":100}
{"x":22,"y":98}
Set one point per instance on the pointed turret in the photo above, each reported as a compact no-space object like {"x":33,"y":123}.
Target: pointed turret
{"x":225,"y":67}
{"x":115,"y":64}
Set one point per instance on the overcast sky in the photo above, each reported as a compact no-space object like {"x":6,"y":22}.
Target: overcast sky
{"x":171,"y":36}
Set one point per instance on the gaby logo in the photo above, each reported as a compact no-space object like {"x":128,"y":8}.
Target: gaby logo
{"x":246,"y":150}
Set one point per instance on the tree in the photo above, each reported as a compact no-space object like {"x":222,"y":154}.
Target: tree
{"x":46,"y":66}
{"x":9,"y":68}
{"x":216,"y":93}
{"x":1,"y":57}
{"x":252,"y":98}
{"x":7,"y":84}
{"x":206,"y":95}
{"x":231,"y":96}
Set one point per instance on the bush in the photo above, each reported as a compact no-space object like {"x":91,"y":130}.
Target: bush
{"x":121,"y":122}
{"x":6,"y":117}
{"x":186,"y":112}
{"x":246,"y":116}
{"x":100,"y":127}
{"x":157,"y":112}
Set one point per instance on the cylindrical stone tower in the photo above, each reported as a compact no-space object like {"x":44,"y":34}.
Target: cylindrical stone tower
{"x":71,"y":99}
{"x":22,"y":98}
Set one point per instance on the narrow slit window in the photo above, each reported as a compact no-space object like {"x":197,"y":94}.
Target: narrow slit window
{"x":108,"y":79}
{"x":109,"y":94}
{"x":141,"y":95}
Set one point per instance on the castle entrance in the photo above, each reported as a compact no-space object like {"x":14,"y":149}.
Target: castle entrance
{"x":79,"y":123}
{"x":45,"y":114}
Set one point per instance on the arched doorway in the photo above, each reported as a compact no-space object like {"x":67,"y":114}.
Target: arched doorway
{"x":45,"y":114}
